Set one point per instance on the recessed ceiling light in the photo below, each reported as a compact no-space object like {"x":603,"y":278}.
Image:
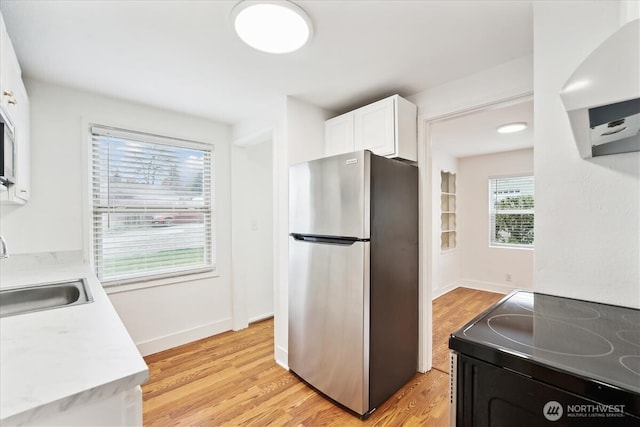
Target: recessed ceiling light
{"x":272,"y":26}
{"x":512,"y":127}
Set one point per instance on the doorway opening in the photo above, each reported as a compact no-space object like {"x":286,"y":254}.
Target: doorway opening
{"x":252,"y":177}
{"x":462,"y":151}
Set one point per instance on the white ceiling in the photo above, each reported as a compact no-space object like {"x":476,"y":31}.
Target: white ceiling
{"x":184,"y":55}
{"x":475,"y":133}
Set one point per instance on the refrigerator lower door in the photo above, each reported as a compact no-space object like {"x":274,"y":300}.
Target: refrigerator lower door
{"x":329,"y":319}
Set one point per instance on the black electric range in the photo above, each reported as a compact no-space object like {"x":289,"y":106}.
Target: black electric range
{"x":536,"y":359}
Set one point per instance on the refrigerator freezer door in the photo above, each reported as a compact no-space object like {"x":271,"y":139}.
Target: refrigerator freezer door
{"x":329,"y":197}
{"x":328,"y":319}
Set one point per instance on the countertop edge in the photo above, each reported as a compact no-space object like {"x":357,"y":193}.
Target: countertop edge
{"x":86,"y":396}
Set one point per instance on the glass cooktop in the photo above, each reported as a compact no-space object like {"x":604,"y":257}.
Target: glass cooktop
{"x":592,"y":340}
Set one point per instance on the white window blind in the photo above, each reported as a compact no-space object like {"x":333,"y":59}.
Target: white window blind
{"x":152,"y":205}
{"x":511,"y":202}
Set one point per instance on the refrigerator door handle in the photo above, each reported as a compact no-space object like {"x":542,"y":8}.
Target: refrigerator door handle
{"x":330,"y":240}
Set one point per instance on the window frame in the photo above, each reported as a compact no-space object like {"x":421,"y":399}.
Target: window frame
{"x":492,"y":212}
{"x":153,"y":278}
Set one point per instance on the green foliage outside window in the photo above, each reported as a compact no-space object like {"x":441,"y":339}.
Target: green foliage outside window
{"x":513,"y":224}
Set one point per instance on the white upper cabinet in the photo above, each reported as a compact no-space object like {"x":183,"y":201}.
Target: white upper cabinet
{"x":10,"y":75}
{"x":386,"y":127}
{"x":338,"y":135}
{"x":21,"y":190}
{"x":375,"y":127}
{"x":14,"y":103}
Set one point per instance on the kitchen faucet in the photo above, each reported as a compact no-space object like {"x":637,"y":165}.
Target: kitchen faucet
{"x":3,"y":248}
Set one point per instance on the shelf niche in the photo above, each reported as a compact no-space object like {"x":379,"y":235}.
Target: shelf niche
{"x":447,"y":210}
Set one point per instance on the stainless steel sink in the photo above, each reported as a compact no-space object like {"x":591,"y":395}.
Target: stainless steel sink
{"x":44,"y":296}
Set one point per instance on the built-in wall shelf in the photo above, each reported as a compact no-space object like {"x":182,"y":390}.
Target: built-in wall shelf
{"x":447,"y":240}
{"x":447,"y":210}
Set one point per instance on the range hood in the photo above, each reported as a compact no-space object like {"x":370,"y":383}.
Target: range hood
{"x":602,"y":97}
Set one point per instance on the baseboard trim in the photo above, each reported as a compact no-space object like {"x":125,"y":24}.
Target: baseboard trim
{"x":498,"y":288}
{"x":260,"y":317}
{"x":165,"y":342}
{"x":282,"y":357}
{"x":441,"y":291}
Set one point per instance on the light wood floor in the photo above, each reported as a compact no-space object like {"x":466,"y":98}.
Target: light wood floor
{"x":231,"y":379}
{"x":452,"y":311}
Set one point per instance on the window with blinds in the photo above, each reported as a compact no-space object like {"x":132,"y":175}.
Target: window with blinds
{"x":511,"y":202}
{"x":151,"y":204}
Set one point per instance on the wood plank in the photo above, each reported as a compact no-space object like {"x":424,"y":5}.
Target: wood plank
{"x":231,"y":379}
{"x":452,"y":311}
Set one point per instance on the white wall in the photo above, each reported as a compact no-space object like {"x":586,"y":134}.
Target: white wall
{"x":587,"y":211}
{"x":508,"y":80}
{"x":446,"y":263}
{"x":481,"y":266}
{"x":252,"y":231}
{"x":297,"y":129}
{"x":305,"y":131}
{"x":629,"y":10}
{"x":302,"y":133}
{"x":156,"y":317}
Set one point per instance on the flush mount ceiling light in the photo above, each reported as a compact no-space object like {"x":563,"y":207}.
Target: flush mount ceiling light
{"x":272,"y":26}
{"x":512,"y":127}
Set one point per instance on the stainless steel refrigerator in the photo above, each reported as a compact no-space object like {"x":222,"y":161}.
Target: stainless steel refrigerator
{"x":353,"y":277}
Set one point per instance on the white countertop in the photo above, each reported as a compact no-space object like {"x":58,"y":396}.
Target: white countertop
{"x":53,"y":360}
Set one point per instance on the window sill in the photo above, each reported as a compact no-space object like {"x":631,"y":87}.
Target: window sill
{"x":515,"y":247}
{"x":116,"y":288}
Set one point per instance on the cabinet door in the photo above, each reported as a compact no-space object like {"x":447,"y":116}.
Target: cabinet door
{"x":15,"y":104}
{"x":22,"y":186}
{"x":375,"y":128}
{"x":10,"y":76}
{"x":5,"y":46}
{"x":338,"y":135}
{"x":3,"y":36}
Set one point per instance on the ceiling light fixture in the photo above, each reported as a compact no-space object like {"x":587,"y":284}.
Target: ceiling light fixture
{"x":512,"y":127}
{"x":275,"y":26}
